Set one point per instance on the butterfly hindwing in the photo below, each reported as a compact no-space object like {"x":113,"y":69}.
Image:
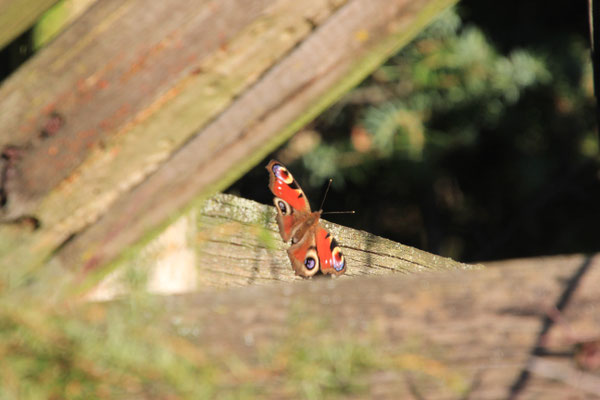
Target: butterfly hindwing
{"x":331,"y":259}
{"x":317,"y":251}
{"x":312,"y":249}
{"x":304,"y":256}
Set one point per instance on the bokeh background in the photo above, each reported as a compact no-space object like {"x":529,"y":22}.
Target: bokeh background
{"x":477,"y":141}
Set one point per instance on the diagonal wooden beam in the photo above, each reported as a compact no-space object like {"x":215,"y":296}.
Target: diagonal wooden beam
{"x":162,"y":103}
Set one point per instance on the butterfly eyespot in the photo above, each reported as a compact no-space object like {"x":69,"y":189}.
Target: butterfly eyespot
{"x":338,"y":259}
{"x":311,"y":261}
{"x":283,"y":206}
{"x":283,"y":174}
{"x":312,"y":249}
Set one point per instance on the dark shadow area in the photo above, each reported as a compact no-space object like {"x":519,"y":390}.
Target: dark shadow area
{"x":16,"y":53}
{"x":547,"y":324}
{"x":477,"y":141}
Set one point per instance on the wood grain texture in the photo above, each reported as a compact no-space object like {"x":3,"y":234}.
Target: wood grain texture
{"x":132,"y":83}
{"x":229,"y":241}
{"x":451,"y":335}
{"x":248,"y":129}
{"x":164,"y":102}
{"x":233,"y":241}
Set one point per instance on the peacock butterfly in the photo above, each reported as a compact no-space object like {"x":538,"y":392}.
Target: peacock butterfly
{"x":313,"y":249}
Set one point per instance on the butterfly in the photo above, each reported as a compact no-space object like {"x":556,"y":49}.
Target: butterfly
{"x":313,"y":249}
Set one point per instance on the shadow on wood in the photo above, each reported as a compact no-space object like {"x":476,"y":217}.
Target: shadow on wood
{"x":450,"y":335}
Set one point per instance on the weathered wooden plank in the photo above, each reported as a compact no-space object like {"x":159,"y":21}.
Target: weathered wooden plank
{"x":128,"y":93}
{"x":444,"y":335}
{"x":106,"y":81}
{"x":229,"y":241}
{"x":528,"y":330}
{"x":165,"y":101}
{"x":16,"y":16}
{"x":335,"y":54}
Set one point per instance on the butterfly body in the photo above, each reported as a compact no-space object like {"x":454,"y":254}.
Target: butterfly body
{"x":312,"y":247}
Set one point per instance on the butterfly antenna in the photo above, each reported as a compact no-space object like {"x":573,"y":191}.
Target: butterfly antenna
{"x":323,"y":202}
{"x":325,"y":195}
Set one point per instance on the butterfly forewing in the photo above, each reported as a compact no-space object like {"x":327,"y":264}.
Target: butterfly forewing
{"x":313,"y":249}
{"x":284,"y":186}
{"x":285,"y":218}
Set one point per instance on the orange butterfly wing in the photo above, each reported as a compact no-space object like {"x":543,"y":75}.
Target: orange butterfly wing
{"x":304,"y":257}
{"x":331,"y":259}
{"x":291,"y":203}
{"x":313,"y":249}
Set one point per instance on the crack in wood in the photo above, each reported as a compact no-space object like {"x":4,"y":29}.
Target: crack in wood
{"x":227,"y":243}
{"x":233,"y":274}
{"x":231,"y":257}
{"x":384,"y":255}
{"x":226,"y":219}
{"x":395,"y":269}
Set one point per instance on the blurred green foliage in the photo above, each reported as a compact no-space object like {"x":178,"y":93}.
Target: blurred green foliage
{"x":447,"y":72}
{"x":137,"y":348}
{"x":465,"y":144}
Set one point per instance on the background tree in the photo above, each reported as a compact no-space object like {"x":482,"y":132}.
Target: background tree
{"x":477,"y":141}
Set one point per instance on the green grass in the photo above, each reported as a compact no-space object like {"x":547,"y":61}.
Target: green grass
{"x":133,"y":348}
